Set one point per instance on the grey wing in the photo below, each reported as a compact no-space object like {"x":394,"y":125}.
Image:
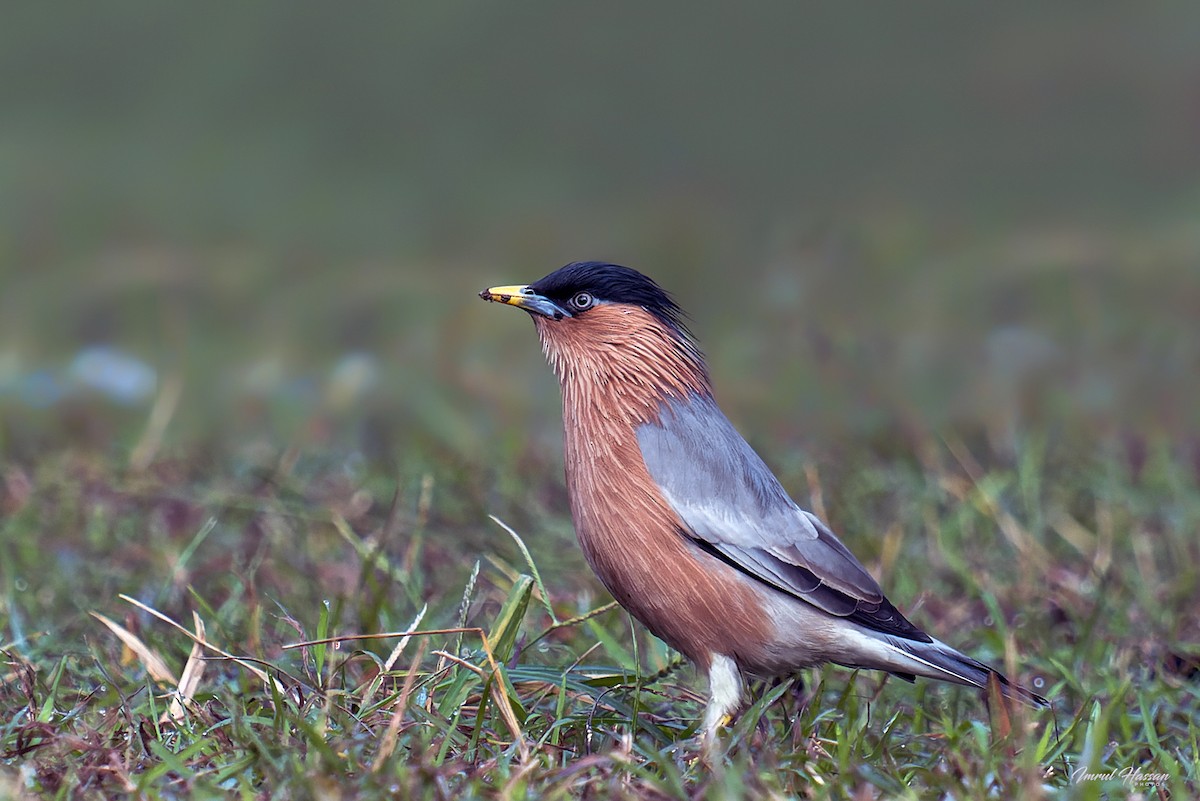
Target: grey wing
{"x":734,"y":508}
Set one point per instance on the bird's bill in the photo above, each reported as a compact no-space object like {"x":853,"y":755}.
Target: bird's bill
{"x":523,"y":297}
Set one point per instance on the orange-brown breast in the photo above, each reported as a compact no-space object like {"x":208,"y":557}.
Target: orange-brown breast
{"x":615,"y":365}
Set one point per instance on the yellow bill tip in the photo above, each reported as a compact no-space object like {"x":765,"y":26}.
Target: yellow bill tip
{"x":505,"y":294}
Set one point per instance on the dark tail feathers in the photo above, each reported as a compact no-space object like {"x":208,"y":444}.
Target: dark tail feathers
{"x":945,"y":663}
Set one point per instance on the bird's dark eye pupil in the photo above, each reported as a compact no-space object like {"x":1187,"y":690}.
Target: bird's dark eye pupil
{"x":582,"y":301}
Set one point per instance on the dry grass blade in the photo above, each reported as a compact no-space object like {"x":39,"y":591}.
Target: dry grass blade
{"x":189,"y":680}
{"x":505,"y":706}
{"x":156,"y":425}
{"x":503,"y":703}
{"x":400,"y":646}
{"x":385,"y":635}
{"x":154,"y":664}
{"x":387,"y":744}
{"x":257,"y":671}
{"x":999,"y":707}
{"x":373,"y":686}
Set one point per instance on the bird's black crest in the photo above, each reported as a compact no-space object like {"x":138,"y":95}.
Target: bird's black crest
{"x":614,"y":284}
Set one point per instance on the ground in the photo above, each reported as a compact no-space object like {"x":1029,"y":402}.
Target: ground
{"x":1073,"y":572}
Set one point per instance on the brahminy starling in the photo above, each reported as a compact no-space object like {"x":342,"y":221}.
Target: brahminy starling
{"x":683,"y":522}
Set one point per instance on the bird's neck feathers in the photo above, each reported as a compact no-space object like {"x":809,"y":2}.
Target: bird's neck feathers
{"x":622,"y":362}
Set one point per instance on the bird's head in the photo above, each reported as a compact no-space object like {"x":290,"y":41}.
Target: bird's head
{"x":609,"y":322}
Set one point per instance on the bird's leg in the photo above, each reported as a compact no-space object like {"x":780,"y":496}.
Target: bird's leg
{"x":724,"y":698}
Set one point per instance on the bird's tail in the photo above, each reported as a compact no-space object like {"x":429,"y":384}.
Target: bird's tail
{"x":936,"y":660}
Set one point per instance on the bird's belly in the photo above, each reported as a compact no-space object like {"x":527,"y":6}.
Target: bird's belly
{"x":702,"y":606}
{"x":696,"y":604}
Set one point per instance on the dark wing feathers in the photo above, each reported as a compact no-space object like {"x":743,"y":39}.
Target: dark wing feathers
{"x":734,"y":508}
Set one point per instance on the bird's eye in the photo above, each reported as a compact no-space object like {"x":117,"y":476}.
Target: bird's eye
{"x":582,"y":301}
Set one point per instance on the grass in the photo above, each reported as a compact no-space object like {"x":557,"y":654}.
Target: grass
{"x":522,"y":681}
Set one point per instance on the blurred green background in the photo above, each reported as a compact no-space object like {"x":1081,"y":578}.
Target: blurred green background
{"x":979,"y":218}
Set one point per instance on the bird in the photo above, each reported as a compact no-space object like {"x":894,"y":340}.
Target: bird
{"x":685,"y":525}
